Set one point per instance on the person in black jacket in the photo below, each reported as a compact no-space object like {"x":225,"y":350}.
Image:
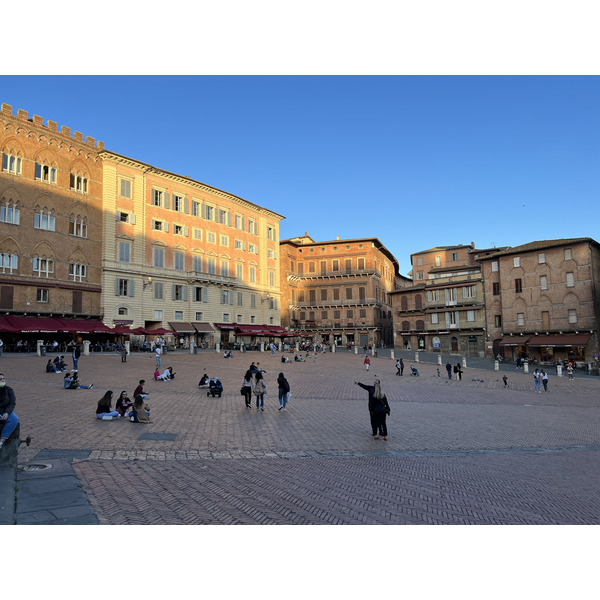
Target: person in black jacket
{"x":378,"y":408}
{"x":8,"y":419}
{"x":284,"y":391}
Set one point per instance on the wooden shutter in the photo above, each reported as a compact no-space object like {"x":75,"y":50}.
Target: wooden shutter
{"x":166,"y":196}
{"x":117,"y":281}
{"x":131,"y":287}
{"x":38,"y":171}
{"x":186,"y":205}
{"x":204,"y":294}
{"x":185,"y":293}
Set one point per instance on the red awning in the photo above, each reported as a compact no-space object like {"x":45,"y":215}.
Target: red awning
{"x":277,"y":331}
{"x":159,"y":331}
{"x":6,"y":327}
{"x":252,"y":330}
{"x":225,"y":325}
{"x":79,"y":326}
{"x":567,"y":339}
{"x":35,"y":324}
{"x":514,"y":340}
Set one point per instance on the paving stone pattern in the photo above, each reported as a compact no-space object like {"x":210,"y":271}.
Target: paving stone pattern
{"x":458,"y":452}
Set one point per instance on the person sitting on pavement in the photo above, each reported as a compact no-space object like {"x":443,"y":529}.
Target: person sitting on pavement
{"x":171,"y":374}
{"x":103,"y":410}
{"x":8,"y":419}
{"x":165,"y":376}
{"x":284,"y":359}
{"x":156,"y":374}
{"x":61,"y":364}
{"x":204,"y":381}
{"x":50,"y":368}
{"x":414,"y":371}
{"x":72,"y":382}
{"x":297,"y":358}
{"x":139,"y":390}
{"x":141,"y":411}
{"x":124,"y":404}
{"x":227,"y":354}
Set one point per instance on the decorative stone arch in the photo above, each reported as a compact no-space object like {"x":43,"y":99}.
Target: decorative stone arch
{"x":43,"y":250}
{"x":10,"y":194}
{"x":46,"y":156}
{"x":9,"y":245}
{"x":79,"y":176}
{"x":12,"y":145}
{"x":239,"y":260}
{"x":225,"y":256}
{"x":78,"y":256}
{"x":253,"y":263}
{"x":179,"y":248}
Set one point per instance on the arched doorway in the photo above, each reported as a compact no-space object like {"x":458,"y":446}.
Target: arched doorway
{"x":454,"y":345}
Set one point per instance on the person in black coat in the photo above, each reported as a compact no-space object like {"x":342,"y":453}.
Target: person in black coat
{"x":8,"y":419}
{"x":378,"y":408}
{"x":284,"y":391}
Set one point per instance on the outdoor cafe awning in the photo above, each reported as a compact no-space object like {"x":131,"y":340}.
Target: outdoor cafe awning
{"x":182,"y":327}
{"x":514,"y":340}
{"x":568,"y":339}
{"x":226,"y":325}
{"x":81,"y":326}
{"x":251,"y":330}
{"x":34,"y":324}
{"x":202,"y":327}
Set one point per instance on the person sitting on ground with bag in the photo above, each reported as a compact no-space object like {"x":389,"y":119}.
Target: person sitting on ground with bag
{"x":72,"y":382}
{"x":50,"y":368}
{"x":141,"y":411}
{"x":103,"y":410}
{"x":204,"y":381}
{"x":124,"y":404}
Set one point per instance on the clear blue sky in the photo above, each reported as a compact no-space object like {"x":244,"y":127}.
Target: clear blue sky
{"x":417,"y":161}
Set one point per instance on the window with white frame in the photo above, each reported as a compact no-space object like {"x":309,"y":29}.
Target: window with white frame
{"x":158,"y":257}
{"x":419,"y":260}
{"x":124,"y":252}
{"x":45,"y":173}
{"x":239,"y":272}
{"x":8,"y":262}
{"x":225,"y":317}
{"x":209,"y":215}
{"x":125,"y":189}
{"x":124,"y":287}
{"x":77,"y":271}
{"x":435,"y":318}
{"x":197,"y":263}
{"x":9,"y":213}
{"x":159,"y":225}
{"x":11,"y":163}
{"x":158,"y":315}
{"x":224,"y":268}
{"x":239,"y":245}
{"x":223,"y":216}
{"x":178,"y":261}
{"x":420,"y":275}
{"x":271,"y":253}
{"x":43,"y":295}
{"x":78,"y":226}
{"x":570,"y":279}
{"x":79,"y":183}
{"x":252,"y":319}
{"x":179,"y":292}
{"x":224,"y":297}
{"x":178,"y":202}
{"x":252,"y":226}
{"x":239,"y":222}
{"x":541,"y":258}
{"x":433,"y":296}
{"x":158,"y":198}
{"x":270,"y":233}
{"x":42,"y":267}
{"x":253,"y":248}
{"x":224,"y":240}
{"x":197,"y":234}
{"x":452,"y":319}
{"x":252,"y":274}
{"x":438,"y":261}
{"x":240,"y":299}
{"x":43,"y":219}
{"x":470,"y":315}
{"x":455,"y":256}
{"x":211,"y":266}
{"x":543,"y":282}
{"x":450,"y":295}
{"x":199,"y":316}
{"x":271,"y":278}
{"x":179,"y":315}
{"x":196,"y":208}
{"x":521,"y":319}
{"x":469,"y":291}
{"x":159,"y":290}
{"x":494,"y":266}
{"x":516,"y":261}
{"x":572,"y":315}
{"x":252,"y":300}
{"x":211,"y":237}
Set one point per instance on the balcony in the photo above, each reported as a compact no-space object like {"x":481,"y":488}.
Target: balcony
{"x":333,"y":274}
{"x":341,"y":304}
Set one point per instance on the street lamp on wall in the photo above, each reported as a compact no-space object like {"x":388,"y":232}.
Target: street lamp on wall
{"x":148,"y":282}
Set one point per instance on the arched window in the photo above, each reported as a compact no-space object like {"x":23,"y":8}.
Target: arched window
{"x":11,"y":163}
{"x":43,"y":219}
{"x":403,"y":303}
{"x":405,"y":326}
{"x":420,"y":325}
{"x":79,"y":183}
{"x":418,"y":302}
{"x":9,"y":212}
{"x":78,"y":226}
{"x":8,"y":262}
{"x":42,"y":267}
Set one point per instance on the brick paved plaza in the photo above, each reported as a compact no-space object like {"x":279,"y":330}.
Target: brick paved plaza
{"x":468,"y":452}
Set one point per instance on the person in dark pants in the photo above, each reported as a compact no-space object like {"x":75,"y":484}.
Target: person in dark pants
{"x":247,"y":386}
{"x":8,"y":419}
{"x":449,"y":369}
{"x":401,"y":366}
{"x":378,"y":408}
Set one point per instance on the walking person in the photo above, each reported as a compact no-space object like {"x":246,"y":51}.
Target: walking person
{"x":367,"y":362}
{"x":158,"y":351}
{"x":378,"y":408}
{"x":124,"y":354}
{"x":8,"y":419}
{"x":505,"y":380}
{"x":401,"y":367}
{"x":284,"y":391}
{"x":545,"y":380}
{"x":537,"y":382}
{"x":76,"y":354}
{"x":247,"y":388}
{"x":259,"y":389}
{"x":398,"y":367}
{"x":449,"y":369}
{"x":570,"y":371}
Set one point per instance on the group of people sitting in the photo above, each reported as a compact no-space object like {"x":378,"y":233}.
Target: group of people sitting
{"x":166,"y":376}
{"x":227,"y":354}
{"x":137,"y":411}
{"x":71,"y":382}
{"x":57,"y":365}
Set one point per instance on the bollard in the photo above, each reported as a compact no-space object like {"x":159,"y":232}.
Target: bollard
{"x":526,"y":368}
{"x":86,"y":347}
{"x":464,"y":361}
{"x":280,"y":346}
{"x":416,"y":357}
{"x":192,"y":348}
{"x":40,"y":343}
{"x":218,"y":346}
{"x":333,"y":348}
{"x":559,"y":370}
{"x":439,"y":359}
{"x":262,"y":346}
{"x":355,"y":349}
{"x":128,"y":347}
{"x":496,"y":365}
{"x":392,"y":356}
{"x":372,"y":350}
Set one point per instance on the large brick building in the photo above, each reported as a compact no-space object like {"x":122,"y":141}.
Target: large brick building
{"x":50,"y":219}
{"x":543,"y":300}
{"x":180,"y":253}
{"x":339,"y":290}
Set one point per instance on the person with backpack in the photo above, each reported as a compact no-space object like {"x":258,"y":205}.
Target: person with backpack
{"x":284,"y":391}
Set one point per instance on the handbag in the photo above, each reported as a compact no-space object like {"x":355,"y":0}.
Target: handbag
{"x":243,"y":390}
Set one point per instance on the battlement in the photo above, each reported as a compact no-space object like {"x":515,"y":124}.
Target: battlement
{"x":22,"y":115}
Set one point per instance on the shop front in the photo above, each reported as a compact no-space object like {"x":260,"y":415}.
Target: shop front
{"x":550,"y":349}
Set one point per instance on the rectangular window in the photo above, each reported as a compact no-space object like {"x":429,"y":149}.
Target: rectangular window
{"x":239,"y":245}
{"x":469,"y":291}
{"x":516,"y":261}
{"x":158,"y":257}
{"x":495,"y":289}
{"x":225,"y":317}
{"x":300,"y":269}
{"x":420,"y":275}
{"x":158,"y":225}
{"x":177,"y":202}
{"x":361,"y":264}
{"x":42,"y":295}
{"x":312,"y":296}
{"x":349,"y":314}
{"x":470,"y":315}
{"x":159,"y":290}
{"x":77,"y":272}
{"x":224,"y":268}
{"x":211,"y":237}
{"x":348,"y":265}
{"x":323,"y":294}
{"x":541,"y":258}
{"x":224,"y":240}
{"x":43,"y":220}
{"x":435,"y":318}
{"x":239,"y":222}
{"x":8,"y":262}
{"x":450,"y":296}
{"x":222,"y":216}
{"x":124,"y":252}
{"x":199,"y":316}
{"x":251,"y":226}
{"x":11,"y":164}
{"x":335,"y":265}
{"x":239,"y":272}
{"x":157,"y":198}
{"x":349,"y":293}
{"x":9,"y":213}
{"x":196,"y":210}
{"x":252,"y":248}
{"x":323,"y":315}
{"x":570,"y":279}
{"x":197,"y":234}
{"x":455,"y":256}
{"x":337,"y":314}
{"x":212,"y":266}
{"x":43,"y":266}
{"x":521,"y":319}
{"x":210,"y":213}
{"x":125,"y":287}
{"x":179,"y":261}
{"x":197,"y":263}
{"x":125,"y":188}
{"x":572,"y":315}
{"x":252,"y":300}
{"x":179,"y":315}
{"x":158,"y":315}
{"x":271,"y":253}
{"x":45,"y":173}
{"x":518,"y":286}
{"x":433,"y":296}
{"x":494,"y":266}
{"x":568,"y":253}
{"x":498,"y":320}
{"x":179,"y":292}
{"x":452,"y":319}
{"x":252,"y":274}
{"x":543,"y":282}
{"x":419,"y":260}
{"x":438,"y":261}
{"x":270,"y":233}
{"x":252,"y":319}
{"x":363,"y":313}
{"x":362,"y":293}
{"x":272,"y":278}
{"x":240,"y":299}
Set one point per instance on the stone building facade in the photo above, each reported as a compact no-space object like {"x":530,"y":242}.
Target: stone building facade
{"x":50,"y":219}
{"x":542,"y":301}
{"x":339,"y":291}
{"x":179,"y":252}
